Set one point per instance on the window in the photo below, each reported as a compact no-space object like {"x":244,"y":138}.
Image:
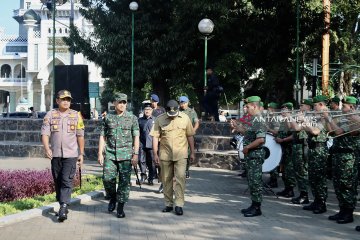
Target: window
{"x":60,"y":30}
{"x":5,"y":71}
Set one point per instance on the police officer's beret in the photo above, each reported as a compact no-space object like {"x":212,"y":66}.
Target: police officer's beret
{"x":287,"y":105}
{"x":253,"y":99}
{"x":307,"y":102}
{"x":172,"y":108}
{"x":320,"y":98}
{"x":183,"y":99}
{"x":64,"y":94}
{"x":335,"y":99}
{"x":120,"y":97}
{"x":272,"y":105}
{"x":350,"y":100}
{"x":154,"y":98}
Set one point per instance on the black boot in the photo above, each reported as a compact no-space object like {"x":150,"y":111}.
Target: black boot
{"x":320,"y":207}
{"x":310,"y":207}
{"x":255,"y":210}
{"x":288,"y":192}
{"x":112,"y":205}
{"x":301,"y":199}
{"x":357,"y":228}
{"x":336,"y":216}
{"x":245,"y":210}
{"x":346,"y":217}
{"x":273,"y":183}
{"x":120,"y":210}
{"x":63,"y":212}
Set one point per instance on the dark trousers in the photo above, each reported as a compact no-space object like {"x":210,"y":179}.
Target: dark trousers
{"x":210,"y":104}
{"x":146,"y":160}
{"x":63,"y":171}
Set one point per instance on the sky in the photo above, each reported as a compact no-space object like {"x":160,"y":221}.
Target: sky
{"x":6,"y":14}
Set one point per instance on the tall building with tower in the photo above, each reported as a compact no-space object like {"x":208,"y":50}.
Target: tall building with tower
{"x":26,"y":60}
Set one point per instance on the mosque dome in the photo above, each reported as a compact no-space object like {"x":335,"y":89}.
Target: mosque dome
{"x":31,"y":15}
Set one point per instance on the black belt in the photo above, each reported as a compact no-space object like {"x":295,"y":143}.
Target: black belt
{"x":341,"y":150}
{"x":313,"y":145}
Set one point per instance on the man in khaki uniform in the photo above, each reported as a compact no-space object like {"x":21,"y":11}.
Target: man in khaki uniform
{"x":63,"y":128}
{"x":175,"y":132}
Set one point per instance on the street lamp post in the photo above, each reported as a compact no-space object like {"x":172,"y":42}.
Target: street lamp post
{"x":314,"y":74}
{"x":133,"y":7}
{"x":206,"y":27}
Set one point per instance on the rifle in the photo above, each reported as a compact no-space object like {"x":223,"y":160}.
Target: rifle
{"x":137,"y":177}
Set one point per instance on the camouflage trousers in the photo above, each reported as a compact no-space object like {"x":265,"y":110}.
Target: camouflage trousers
{"x":345,"y":178}
{"x":253,"y":162}
{"x":288,"y":163}
{"x":317,"y":172}
{"x":111,"y":170}
{"x":300,"y":163}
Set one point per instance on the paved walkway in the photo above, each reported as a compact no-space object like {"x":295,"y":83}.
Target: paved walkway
{"x":214,"y":199}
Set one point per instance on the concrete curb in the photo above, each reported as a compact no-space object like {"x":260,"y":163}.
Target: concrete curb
{"x":36,"y":212}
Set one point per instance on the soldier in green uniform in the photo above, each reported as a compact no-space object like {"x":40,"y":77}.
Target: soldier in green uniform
{"x":317,"y":137}
{"x":300,"y":149}
{"x":284,"y":137}
{"x":184,"y":107}
{"x":344,"y":161}
{"x":119,"y":140}
{"x":254,"y":138}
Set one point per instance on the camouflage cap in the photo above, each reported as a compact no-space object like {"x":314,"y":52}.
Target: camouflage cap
{"x":307,"y":102}
{"x":272,"y":105}
{"x":335,"y":99}
{"x":287,"y":105}
{"x":320,"y":98}
{"x":64,"y":94}
{"x":120,"y":97}
{"x":252,"y":99}
{"x":350,"y":100}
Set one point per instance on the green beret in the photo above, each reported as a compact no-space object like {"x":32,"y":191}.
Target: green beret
{"x":272,"y":105}
{"x":335,"y":99}
{"x":320,"y":98}
{"x":350,"y":100}
{"x":308,"y":102}
{"x":253,"y":99}
{"x":120,"y":97}
{"x":261,"y":104}
{"x":288,"y":105}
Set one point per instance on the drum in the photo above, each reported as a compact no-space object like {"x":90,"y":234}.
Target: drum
{"x":273,"y":153}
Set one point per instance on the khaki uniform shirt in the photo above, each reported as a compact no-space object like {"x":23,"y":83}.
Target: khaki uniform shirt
{"x":63,"y":129}
{"x":119,"y":132}
{"x":173,"y":133}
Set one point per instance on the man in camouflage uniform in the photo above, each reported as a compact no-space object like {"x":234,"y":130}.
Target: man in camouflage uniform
{"x":254,"y":138}
{"x":119,"y":140}
{"x":184,"y":107}
{"x":285,"y":138}
{"x":317,"y":157}
{"x":344,"y":161}
{"x":63,"y":128}
{"x":300,"y":150}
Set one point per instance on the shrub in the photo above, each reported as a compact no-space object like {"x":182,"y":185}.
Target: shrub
{"x":18,"y":184}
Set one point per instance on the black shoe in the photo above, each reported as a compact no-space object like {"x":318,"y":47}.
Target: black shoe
{"x":57,"y":213}
{"x":112,"y":205}
{"x":287,"y":193}
{"x":253,"y":212}
{"x":150,"y":182}
{"x":346,"y":216}
{"x":357,"y":228}
{"x":310,"y":207}
{"x":120,"y":211}
{"x":62,"y":212}
{"x":273,"y":183}
{"x":245,"y":210}
{"x":187,"y":174}
{"x":179,"y":211}
{"x":320,"y":208}
{"x":301,"y":199}
{"x":334,"y":217}
{"x":167,"y":209}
